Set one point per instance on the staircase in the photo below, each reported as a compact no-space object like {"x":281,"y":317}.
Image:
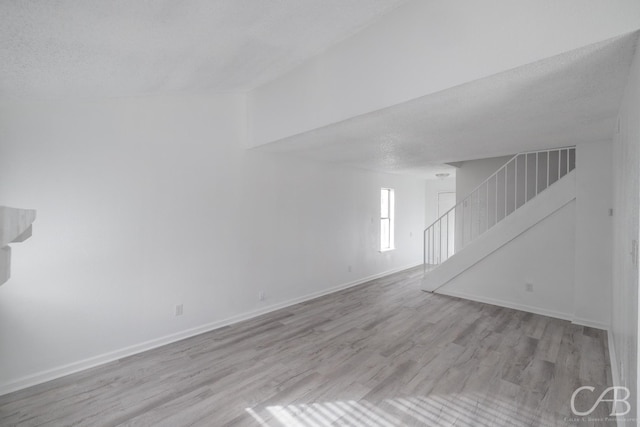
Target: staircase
{"x":448,"y":242}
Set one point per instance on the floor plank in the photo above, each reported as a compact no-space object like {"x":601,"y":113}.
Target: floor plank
{"x":381,"y":354}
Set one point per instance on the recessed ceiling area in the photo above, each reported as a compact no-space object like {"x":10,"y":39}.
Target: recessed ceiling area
{"x":96,"y":48}
{"x":563,"y":100}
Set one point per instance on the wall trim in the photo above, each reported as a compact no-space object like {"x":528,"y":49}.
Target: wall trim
{"x":507,"y":304}
{"x":101,"y":359}
{"x":523,"y":307}
{"x":613,"y":363}
{"x":590,"y":323}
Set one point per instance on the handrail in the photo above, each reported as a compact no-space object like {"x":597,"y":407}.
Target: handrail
{"x":473,"y":191}
{"x":511,"y":199}
{"x":498,"y":171}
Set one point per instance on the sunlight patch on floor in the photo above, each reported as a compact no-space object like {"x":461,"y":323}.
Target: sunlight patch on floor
{"x":469,"y":409}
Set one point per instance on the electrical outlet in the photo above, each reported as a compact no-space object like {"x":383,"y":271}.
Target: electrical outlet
{"x":528,"y":287}
{"x":349,"y":269}
{"x":262,"y":296}
{"x":411,"y":234}
{"x":179,"y":310}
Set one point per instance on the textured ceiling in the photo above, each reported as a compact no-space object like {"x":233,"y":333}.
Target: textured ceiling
{"x":563,"y":100}
{"x":95,"y":48}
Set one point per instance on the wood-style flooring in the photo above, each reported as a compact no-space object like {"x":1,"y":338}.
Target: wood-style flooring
{"x":379,"y":354}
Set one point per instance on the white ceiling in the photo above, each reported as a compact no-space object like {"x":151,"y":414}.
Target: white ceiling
{"x":563,"y":100}
{"x":97,"y":48}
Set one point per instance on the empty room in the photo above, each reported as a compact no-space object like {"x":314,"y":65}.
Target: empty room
{"x":309,"y":213}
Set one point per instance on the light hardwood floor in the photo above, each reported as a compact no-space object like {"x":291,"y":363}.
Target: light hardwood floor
{"x":380,"y":354}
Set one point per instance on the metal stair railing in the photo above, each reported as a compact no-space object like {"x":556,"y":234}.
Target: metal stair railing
{"x":509,"y":188}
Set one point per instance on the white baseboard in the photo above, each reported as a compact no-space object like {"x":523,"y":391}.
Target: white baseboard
{"x":613,"y":361}
{"x":524,"y":307}
{"x":590,"y":323}
{"x":507,"y":304}
{"x":71,"y":368}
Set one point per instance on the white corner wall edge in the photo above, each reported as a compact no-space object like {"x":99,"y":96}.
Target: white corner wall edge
{"x":615,"y":375}
{"x":544,"y":204}
{"x":92,"y":362}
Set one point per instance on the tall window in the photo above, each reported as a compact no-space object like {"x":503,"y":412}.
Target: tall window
{"x":386,"y":219}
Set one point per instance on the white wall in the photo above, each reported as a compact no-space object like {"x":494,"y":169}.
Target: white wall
{"x":452,"y":42}
{"x":590,"y":254}
{"x":593,"y":234}
{"x":433,"y":188}
{"x":626,"y":205}
{"x":469,"y":176}
{"x":148,"y":203}
{"x":472,"y":173}
{"x":543,"y":256}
